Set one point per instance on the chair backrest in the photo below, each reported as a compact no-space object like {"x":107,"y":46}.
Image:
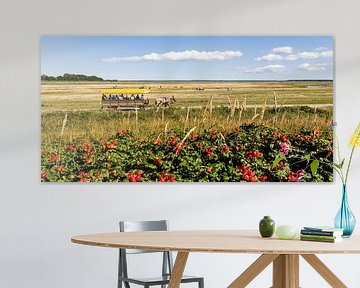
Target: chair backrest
{"x":133,"y":226}
{"x":137,"y":226}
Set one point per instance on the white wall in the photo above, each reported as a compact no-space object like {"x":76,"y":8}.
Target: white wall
{"x":37,"y":220}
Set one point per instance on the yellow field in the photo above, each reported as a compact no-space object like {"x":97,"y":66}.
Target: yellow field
{"x":66,"y":96}
{"x":71,"y":111}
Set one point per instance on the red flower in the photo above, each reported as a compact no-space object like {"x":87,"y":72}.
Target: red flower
{"x":122,"y":132}
{"x":43,"y":175}
{"x":84,"y":174}
{"x":86,"y":146}
{"x":283,"y":138}
{"x":295,"y":176}
{"x":171,"y":141}
{"x":84,"y":180}
{"x":171,"y":178}
{"x":135,"y":177}
{"x":194,"y":136}
{"x":54,"y":158}
{"x":208,"y":170}
{"x":248,"y":174}
{"x":243,"y":168}
{"x":109,"y":145}
{"x":158,"y":161}
{"x":43,"y":151}
{"x":166,"y":178}
{"x":254,"y":154}
{"x":213,"y":134}
{"x":209,"y":151}
{"x":71,"y":148}
{"x":225,"y":148}
{"x":59,"y":168}
{"x":178,"y":147}
{"x":156,"y":141}
{"x":263,"y":178}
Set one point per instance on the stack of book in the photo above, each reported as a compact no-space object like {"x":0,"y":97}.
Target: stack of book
{"x":321,"y":234}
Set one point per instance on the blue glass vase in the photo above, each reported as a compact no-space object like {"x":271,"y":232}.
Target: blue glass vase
{"x":345,"y":219}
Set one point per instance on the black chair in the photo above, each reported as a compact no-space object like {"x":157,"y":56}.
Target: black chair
{"x":167,"y":265}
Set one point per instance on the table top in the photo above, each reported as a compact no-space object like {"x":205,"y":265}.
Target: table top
{"x":217,"y":241}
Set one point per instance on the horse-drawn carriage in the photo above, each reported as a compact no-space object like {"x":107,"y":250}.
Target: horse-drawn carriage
{"x":124,"y":99}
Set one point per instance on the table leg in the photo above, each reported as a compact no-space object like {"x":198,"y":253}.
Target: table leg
{"x":324,"y":271}
{"x":286,"y":271}
{"x":253,"y":270}
{"x":178,"y":269}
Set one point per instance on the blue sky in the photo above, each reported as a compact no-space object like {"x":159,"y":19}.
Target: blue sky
{"x":189,"y":57}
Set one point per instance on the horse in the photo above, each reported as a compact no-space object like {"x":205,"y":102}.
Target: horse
{"x":166,"y":101}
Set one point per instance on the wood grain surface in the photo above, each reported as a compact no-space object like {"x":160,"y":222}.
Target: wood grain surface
{"x":217,"y":241}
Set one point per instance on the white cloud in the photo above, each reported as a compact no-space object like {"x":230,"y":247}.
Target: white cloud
{"x":270,"y":57}
{"x":315,"y":55}
{"x":291,"y":57}
{"x":265,"y":69}
{"x":284,"y":49}
{"x":295,"y":56}
{"x":321,"y":48}
{"x":178,"y":56}
{"x":308,"y":55}
{"x":314,"y":67}
{"x":327,"y":53}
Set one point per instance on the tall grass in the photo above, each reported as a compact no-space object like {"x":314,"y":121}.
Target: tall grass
{"x":90,"y":125}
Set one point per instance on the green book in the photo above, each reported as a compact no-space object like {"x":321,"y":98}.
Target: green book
{"x":319,"y":236}
{"x":325,"y":240}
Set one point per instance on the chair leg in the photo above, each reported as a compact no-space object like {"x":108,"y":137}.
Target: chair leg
{"x":201,"y":283}
{"x":164,"y":267}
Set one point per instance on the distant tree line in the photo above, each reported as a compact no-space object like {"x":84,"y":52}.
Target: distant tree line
{"x":70,"y":77}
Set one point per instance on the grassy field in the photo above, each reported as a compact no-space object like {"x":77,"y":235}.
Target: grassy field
{"x":86,"y":96}
{"x":71,"y":111}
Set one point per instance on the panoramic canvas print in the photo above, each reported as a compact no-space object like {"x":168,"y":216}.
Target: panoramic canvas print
{"x":186,"y":109}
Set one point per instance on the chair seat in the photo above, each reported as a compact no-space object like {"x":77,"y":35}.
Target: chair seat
{"x":158,"y":280}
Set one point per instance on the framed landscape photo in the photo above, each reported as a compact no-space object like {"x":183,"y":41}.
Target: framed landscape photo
{"x":187,"y":108}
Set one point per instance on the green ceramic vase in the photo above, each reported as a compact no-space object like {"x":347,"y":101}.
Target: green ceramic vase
{"x":267,"y":227}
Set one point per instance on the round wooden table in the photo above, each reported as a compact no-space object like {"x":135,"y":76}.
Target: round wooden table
{"x":284,"y":254}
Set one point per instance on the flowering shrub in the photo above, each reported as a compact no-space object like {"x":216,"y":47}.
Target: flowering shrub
{"x":250,"y":153}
